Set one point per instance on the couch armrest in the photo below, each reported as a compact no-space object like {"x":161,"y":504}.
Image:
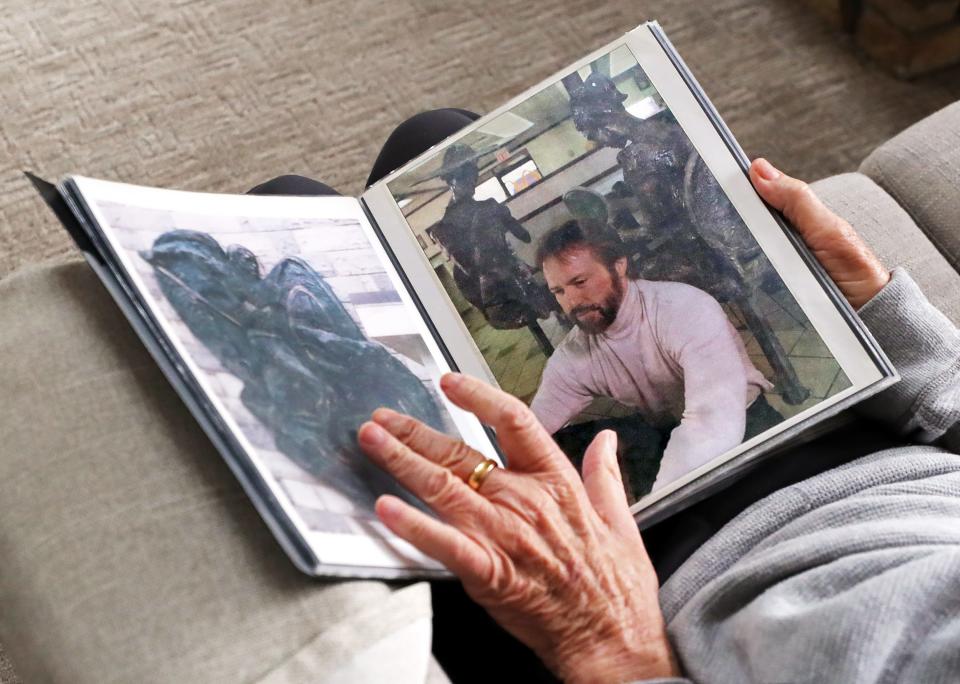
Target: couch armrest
{"x":893,"y":236}
{"x":128,"y":552}
{"x":7,"y":674}
{"x":920,"y":168}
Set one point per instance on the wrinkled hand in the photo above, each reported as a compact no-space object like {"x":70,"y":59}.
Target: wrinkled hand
{"x":557,"y":561}
{"x":848,"y":261}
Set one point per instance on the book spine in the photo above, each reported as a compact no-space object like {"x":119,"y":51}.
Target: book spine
{"x":54,"y":199}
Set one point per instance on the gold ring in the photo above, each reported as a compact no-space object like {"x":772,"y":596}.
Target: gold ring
{"x":480,"y":473}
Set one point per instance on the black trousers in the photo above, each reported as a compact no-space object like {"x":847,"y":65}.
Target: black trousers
{"x":462,"y":630}
{"x":411,"y":138}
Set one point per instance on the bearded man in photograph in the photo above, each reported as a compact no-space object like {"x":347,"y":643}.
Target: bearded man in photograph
{"x":679,"y":196}
{"x":663,"y":348}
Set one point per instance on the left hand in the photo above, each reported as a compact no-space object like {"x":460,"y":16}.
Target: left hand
{"x":843,"y":254}
{"x":557,"y":561}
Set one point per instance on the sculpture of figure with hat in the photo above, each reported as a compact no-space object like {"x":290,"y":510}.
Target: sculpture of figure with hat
{"x":709,"y":246}
{"x":486,"y":270}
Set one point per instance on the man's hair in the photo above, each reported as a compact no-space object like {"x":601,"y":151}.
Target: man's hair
{"x":570,"y":236}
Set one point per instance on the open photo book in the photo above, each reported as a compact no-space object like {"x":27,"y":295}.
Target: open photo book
{"x":594,"y":247}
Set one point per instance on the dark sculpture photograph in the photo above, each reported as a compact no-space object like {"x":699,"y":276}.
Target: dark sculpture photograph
{"x":609,"y":282}
{"x":300,"y":333}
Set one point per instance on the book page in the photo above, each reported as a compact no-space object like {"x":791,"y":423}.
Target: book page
{"x":290,"y":316}
{"x":605,"y":259}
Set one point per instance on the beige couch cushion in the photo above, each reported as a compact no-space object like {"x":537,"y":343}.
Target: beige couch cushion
{"x":893,"y":236}
{"x":128,"y":552}
{"x":920,"y":168}
{"x":7,"y":673}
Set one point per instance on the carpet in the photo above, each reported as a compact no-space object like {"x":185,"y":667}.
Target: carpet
{"x":219,"y":96}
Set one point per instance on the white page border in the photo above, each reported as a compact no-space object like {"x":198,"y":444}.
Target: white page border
{"x":823,"y":314}
{"x":331,"y":549}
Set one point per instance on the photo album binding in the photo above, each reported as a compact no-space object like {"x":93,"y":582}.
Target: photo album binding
{"x":594,"y":248}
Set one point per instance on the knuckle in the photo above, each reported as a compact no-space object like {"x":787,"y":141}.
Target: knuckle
{"x":407,"y":428}
{"x":416,"y":529}
{"x":460,"y":553}
{"x":846,"y":230}
{"x":802,"y":193}
{"x":442,"y":490}
{"x":394,"y":454}
{"x":437,"y":482}
{"x":516,"y":416}
{"x":470,"y":389}
{"x":459,"y":453}
{"x":401,"y":468}
{"x":799,"y":201}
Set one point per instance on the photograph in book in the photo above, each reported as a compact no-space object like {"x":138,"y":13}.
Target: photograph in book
{"x":299,"y":333}
{"x":609,"y":282}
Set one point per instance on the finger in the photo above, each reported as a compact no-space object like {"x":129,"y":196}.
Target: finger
{"x":847,"y":258}
{"x":798,"y":203}
{"x":604,"y":485}
{"x":460,"y":554}
{"x":435,"y":485}
{"x":525,"y":441}
{"x":432,"y":444}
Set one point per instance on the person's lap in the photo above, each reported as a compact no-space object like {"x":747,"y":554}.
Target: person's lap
{"x":461,"y":628}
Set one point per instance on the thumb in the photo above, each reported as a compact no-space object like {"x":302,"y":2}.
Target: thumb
{"x":601,"y":479}
{"x":847,"y":259}
{"x":799,"y":204}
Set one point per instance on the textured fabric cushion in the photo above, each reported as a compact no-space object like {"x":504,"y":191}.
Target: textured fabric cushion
{"x":920,"y":168}
{"x":128,"y":552}
{"x":894,"y":236}
{"x":7,"y":674}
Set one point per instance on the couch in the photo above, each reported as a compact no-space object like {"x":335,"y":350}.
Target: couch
{"x":128,"y":553}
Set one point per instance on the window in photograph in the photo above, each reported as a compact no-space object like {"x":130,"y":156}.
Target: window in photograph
{"x":521,"y":177}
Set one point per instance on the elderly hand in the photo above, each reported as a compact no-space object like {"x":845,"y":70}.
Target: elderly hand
{"x":557,"y":561}
{"x":848,"y":261}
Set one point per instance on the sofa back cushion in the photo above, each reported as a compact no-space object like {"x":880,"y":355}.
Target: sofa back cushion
{"x":920,"y":168}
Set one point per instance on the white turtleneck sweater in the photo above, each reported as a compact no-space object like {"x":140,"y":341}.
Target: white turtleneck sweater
{"x":672,"y":353}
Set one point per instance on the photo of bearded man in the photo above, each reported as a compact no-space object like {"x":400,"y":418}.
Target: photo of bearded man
{"x":665,"y":349}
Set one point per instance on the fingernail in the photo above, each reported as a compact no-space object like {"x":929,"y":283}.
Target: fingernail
{"x":451,"y":380}
{"x":766,"y":170}
{"x":386,"y":506}
{"x":610,"y":440}
{"x":388,"y":418}
{"x":372,"y":434}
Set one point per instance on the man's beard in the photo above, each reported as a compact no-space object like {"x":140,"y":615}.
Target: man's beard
{"x":607,"y":312}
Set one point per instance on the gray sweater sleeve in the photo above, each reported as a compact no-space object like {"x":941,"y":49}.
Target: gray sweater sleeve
{"x":924,"y":346}
{"x":852,"y":575}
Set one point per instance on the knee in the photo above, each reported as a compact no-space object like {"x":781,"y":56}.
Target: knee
{"x":292,"y":184}
{"x":437,"y":123}
{"x":416,"y":135}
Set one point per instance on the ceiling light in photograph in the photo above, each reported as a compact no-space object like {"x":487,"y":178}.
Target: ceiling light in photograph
{"x":507,"y":125}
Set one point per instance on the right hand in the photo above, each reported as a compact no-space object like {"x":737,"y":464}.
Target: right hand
{"x":557,"y":561}
{"x":848,"y":261}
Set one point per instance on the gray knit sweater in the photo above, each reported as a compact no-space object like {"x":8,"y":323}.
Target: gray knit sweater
{"x":853,"y":575}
